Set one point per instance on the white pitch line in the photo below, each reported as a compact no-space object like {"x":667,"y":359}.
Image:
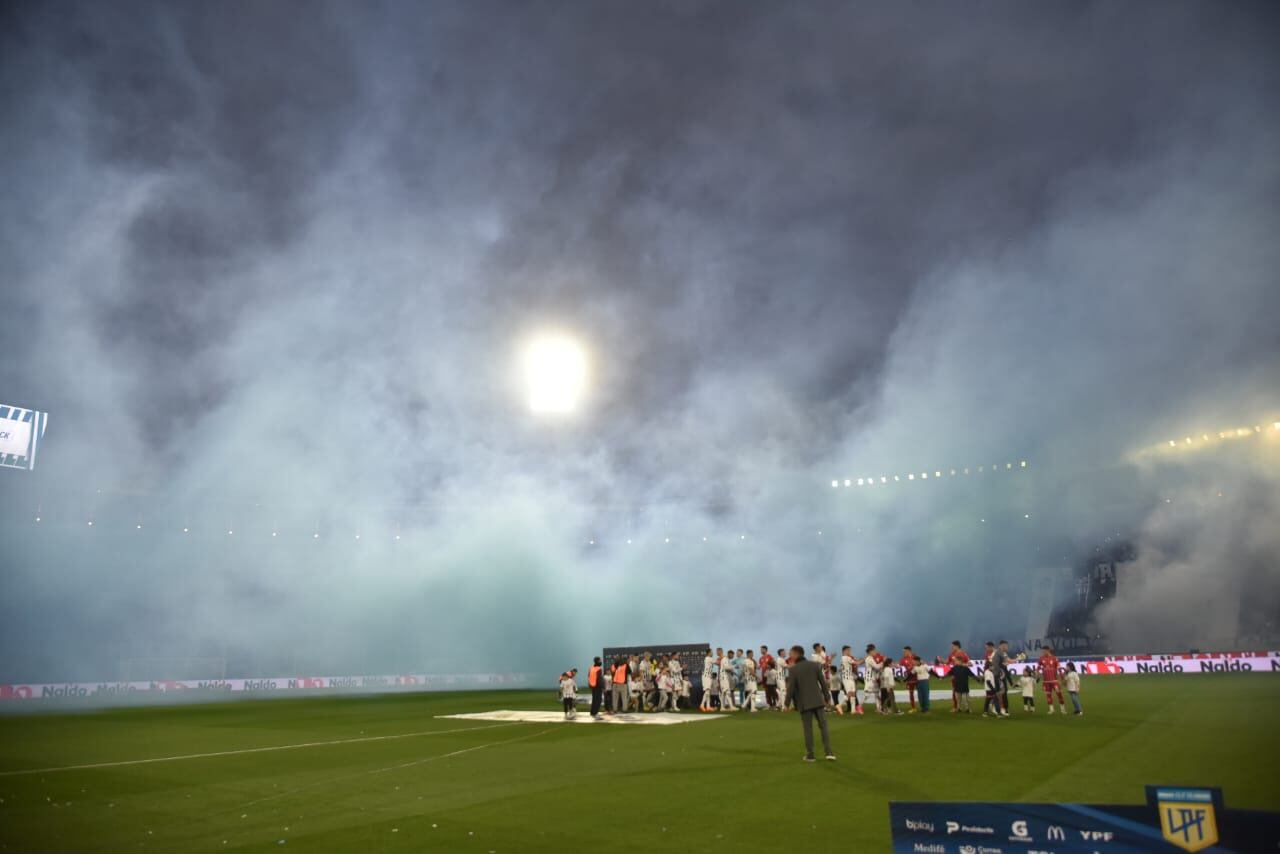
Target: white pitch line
{"x":409,"y":764}
{"x":92,"y":765}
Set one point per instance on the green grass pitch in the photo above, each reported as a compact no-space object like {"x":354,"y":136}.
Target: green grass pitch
{"x":473,"y":786}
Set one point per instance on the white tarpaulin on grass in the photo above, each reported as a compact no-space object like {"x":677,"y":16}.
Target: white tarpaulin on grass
{"x":655,"y":719}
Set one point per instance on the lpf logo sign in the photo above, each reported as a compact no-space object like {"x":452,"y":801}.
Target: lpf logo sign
{"x":1187,"y":818}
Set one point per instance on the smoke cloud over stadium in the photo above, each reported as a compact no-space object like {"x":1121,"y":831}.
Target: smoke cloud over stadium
{"x":269,"y":267}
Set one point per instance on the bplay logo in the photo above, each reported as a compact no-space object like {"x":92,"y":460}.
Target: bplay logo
{"x":926,"y":826}
{"x":1019,"y":829}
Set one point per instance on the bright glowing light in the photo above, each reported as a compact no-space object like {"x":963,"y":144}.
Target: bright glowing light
{"x":315,"y":536}
{"x":1172,"y":444}
{"x":184,"y":530}
{"x":555,"y":369}
{"x":37,"y":518}
{"x":139,"y":527}
{"x":90,"y":523}
{"x":859,"y":481}
{"x":939,"y":474}
{"x":846,"y":482}
{"x":835,"y":483}
{"x":910,"y":477}
{"x":1023,"y":464}
{"x":884,"y":479}
{"x":273,"y":533}
{"x":229,"y":533}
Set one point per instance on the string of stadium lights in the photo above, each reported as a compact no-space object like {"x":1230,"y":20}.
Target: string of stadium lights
{"x":1187,"y":442}
{"x":938,"y":474}
{"x":1192,"y":442}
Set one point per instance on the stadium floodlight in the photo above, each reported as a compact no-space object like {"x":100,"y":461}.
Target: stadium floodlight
{"x":859,"y":481}
{"x":846,"y":482}
{"x":37,"y":518}
{"x":185,"y":530}
{"x":315,"y":536}
{"x":924,"y":475}
{"x":896,"y":478}
{"x":834,"y":484}
{"x":273,"y":533}
{"x":139,"y":526}
{"x":1172,"y":443}
{"x":666,"y":539}
{"x":230,"y":533}
{"x":909,"y":477}
{"x":90,"y":523}
{"x":884,"y":479}
{"x":1022,"y":464}
{"x":939,"y":474}
{"x":555,"y":370}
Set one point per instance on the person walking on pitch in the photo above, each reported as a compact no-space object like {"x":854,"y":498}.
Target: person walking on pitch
{"x":806,"y":685}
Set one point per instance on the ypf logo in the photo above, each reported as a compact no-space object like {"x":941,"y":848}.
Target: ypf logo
{"x":1019,"y":829}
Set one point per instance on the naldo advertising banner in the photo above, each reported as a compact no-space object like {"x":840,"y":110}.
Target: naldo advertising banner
{"x":1174,"y":818}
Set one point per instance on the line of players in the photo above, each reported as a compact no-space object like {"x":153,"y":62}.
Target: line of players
{"x":732,"y":680}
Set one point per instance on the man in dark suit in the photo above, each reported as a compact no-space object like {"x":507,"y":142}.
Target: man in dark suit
{"x":808,"y":687}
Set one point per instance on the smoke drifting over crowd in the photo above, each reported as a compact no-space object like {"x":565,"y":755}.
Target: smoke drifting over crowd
{"x":268,"y":267}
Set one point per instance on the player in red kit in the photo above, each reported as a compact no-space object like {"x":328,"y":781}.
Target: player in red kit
{"x":908,"y":663}
{"x":1049,"y":670}
{"x":957,"y":658}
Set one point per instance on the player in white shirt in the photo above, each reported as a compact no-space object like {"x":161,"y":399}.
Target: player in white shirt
{"x":873,"y":671}
{"x":708,"y":677}
{"x":569,"y":694}
{"x":726,"y":683}
{"x":677,"y":682}
{"x":749,"y":682}
{"x":849,"y":681}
